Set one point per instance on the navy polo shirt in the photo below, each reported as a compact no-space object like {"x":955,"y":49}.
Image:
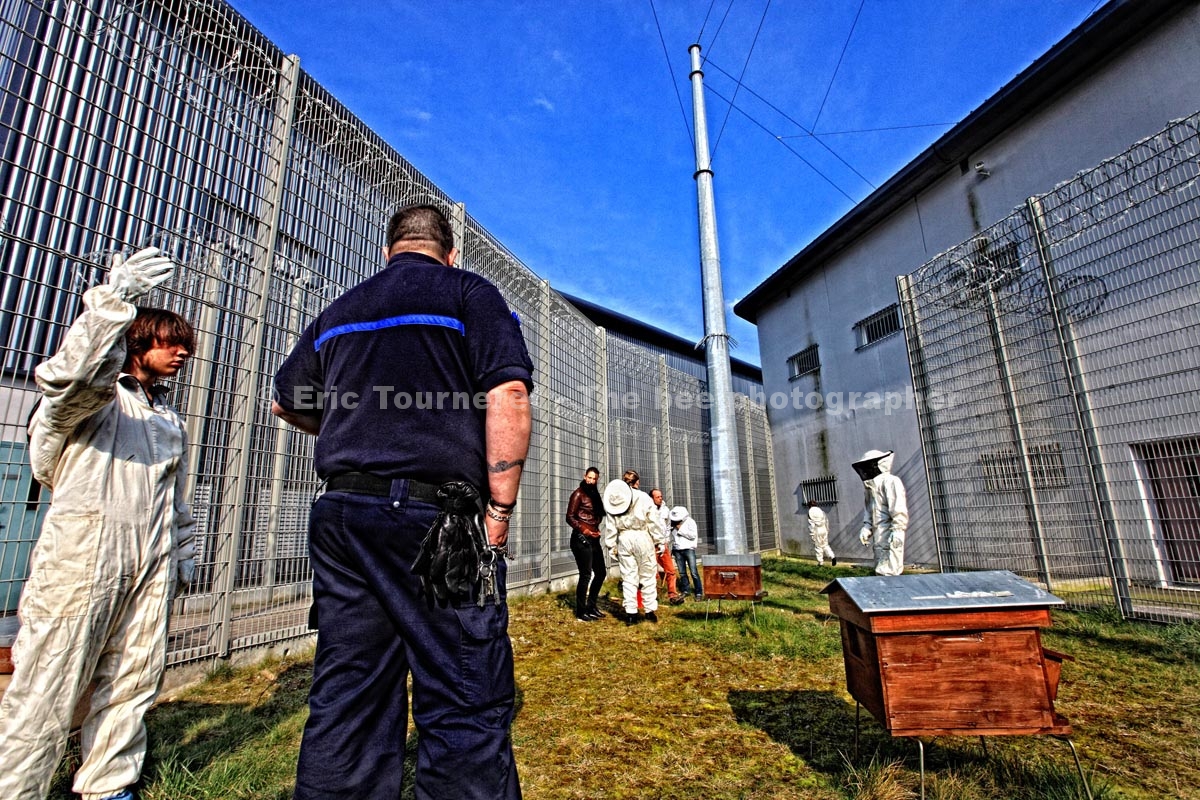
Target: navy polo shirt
{"x":398,"y":370}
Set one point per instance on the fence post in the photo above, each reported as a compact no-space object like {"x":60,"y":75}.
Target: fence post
{"x":542,"y":421}
{"x":241,"y":445}
{"x":279,"y":454}
{"x":930,"y":455}
{"x":751,"y":477}
{"x":607,"y":456}
{"x":202,"y":381}
{"x":765,"y":422}
{"x":688,"y":501}
{"x":1000,"y":346}
{"x":667,"y":466}
{"x":601,"y":459}
{"x":1083,"y":414}
{"x":458,"y":224}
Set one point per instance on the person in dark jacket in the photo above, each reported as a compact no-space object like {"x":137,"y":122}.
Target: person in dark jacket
{"x":584,"y":511}
{"x":395,"y":466}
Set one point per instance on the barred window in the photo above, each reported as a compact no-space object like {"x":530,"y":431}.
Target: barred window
{"x":819,"y":490}
{"x":1002,"y":469}
{"x":879,"y":325}
{"x":1046,"y":460}
{"x":1005,"y":261}
{"x":804,"y":362}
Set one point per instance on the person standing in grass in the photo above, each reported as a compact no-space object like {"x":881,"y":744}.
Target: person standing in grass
{"x":398,"y":471}
{"x":686,"y":536}
{"x":630,"y":527}
{"x":585,"y":509}
{"x":818,"y":531}
{"x":666,"y":564}
{"x":117,"y":542}
{"x":885,"y":515}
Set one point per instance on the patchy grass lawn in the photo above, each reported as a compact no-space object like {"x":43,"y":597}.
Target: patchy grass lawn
{"x":741,"y":705}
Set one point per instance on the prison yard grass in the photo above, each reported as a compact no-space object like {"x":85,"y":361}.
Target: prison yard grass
{"x":742,"y":705}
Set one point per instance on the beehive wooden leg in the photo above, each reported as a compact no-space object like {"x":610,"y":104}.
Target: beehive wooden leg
{"x":921,"y":756}
{"x":1082,"y":778}
{"x":857,"y":709}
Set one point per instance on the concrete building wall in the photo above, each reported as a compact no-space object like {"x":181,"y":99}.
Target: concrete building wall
{"x":1132,"y":94}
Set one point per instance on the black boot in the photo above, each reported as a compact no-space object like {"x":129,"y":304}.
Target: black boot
{"x":631,"y":619}
{"x":591,"y":612}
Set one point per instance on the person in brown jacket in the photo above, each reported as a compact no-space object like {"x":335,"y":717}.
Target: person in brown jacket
{"x":584,"y":512}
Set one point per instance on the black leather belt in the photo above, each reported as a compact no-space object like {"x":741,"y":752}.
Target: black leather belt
{"x":377,"y":485}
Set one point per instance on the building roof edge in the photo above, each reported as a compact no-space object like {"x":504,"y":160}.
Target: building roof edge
{"x":620,"y":323}
{"x":1097,"y":39}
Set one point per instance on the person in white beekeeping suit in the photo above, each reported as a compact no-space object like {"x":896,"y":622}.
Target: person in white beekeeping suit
{"x":116,"y":542}
{"x":885,"y":518}
{"x":631,"y":530}
{"x":687,"y":536}
{"x":818,"y":531}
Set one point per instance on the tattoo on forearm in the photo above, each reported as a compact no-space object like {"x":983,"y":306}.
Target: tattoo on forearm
{"x":505,"y":466}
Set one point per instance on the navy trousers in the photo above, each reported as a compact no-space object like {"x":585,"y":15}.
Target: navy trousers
{"x":375,"y":628}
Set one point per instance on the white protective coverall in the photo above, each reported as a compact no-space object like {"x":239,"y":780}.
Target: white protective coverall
{"x":886,"y":518}
{"x":634,"y":535}
{"x":818,"y":531}
{"x":117,"y":537}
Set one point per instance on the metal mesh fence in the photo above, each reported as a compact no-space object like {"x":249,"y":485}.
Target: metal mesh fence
{"x":1065,"y":338}
{"x":177,"y":124}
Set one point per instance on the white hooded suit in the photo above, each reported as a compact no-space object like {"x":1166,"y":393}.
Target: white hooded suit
{"x":885,"y":518}
{"x":117,"y":538}
{"x":633,"y":536}
{"x":818,"y":531}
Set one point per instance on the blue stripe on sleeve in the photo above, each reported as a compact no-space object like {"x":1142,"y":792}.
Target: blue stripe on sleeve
{"x":390,"y":322}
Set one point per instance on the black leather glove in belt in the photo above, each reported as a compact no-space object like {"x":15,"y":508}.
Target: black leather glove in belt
{"x":449,"y":562}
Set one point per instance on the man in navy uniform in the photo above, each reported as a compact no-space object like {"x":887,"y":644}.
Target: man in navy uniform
{"x":416,"y":377}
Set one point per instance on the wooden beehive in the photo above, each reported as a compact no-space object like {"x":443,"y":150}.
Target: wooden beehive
{"x":950,"y":654}
{"x":732,"y":577}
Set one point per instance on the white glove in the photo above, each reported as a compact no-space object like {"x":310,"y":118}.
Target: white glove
{"x":864,"y":536}
{"x":187,"y":571}
{"x":133,"y":277}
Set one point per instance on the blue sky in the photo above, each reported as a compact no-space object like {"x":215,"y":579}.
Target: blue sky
{"x":559,"y":123}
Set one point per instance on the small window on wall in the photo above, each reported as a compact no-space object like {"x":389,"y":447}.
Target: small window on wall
{"x":1001,"y":471}
{"x":1002,"y":468}
{"x":879,"y":325}
{"x":1046,"y":460}
{"x":819,"y":490}
{"x":804,"y":362}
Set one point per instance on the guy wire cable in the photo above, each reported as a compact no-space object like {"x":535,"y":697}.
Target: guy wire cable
{"x":807,"y":132}
{"x":671,"y":71}
{"x":724,"y":17}
{"x":738,"y":85}
{"x":833,"y":77}
{"x":704,"y":24}
{"x":788,"y":147}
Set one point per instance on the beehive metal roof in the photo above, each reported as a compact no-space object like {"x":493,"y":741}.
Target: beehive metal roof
{"x":942,"y":591}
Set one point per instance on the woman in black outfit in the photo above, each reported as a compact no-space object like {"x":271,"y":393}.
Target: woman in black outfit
{"x":584,"y":512}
